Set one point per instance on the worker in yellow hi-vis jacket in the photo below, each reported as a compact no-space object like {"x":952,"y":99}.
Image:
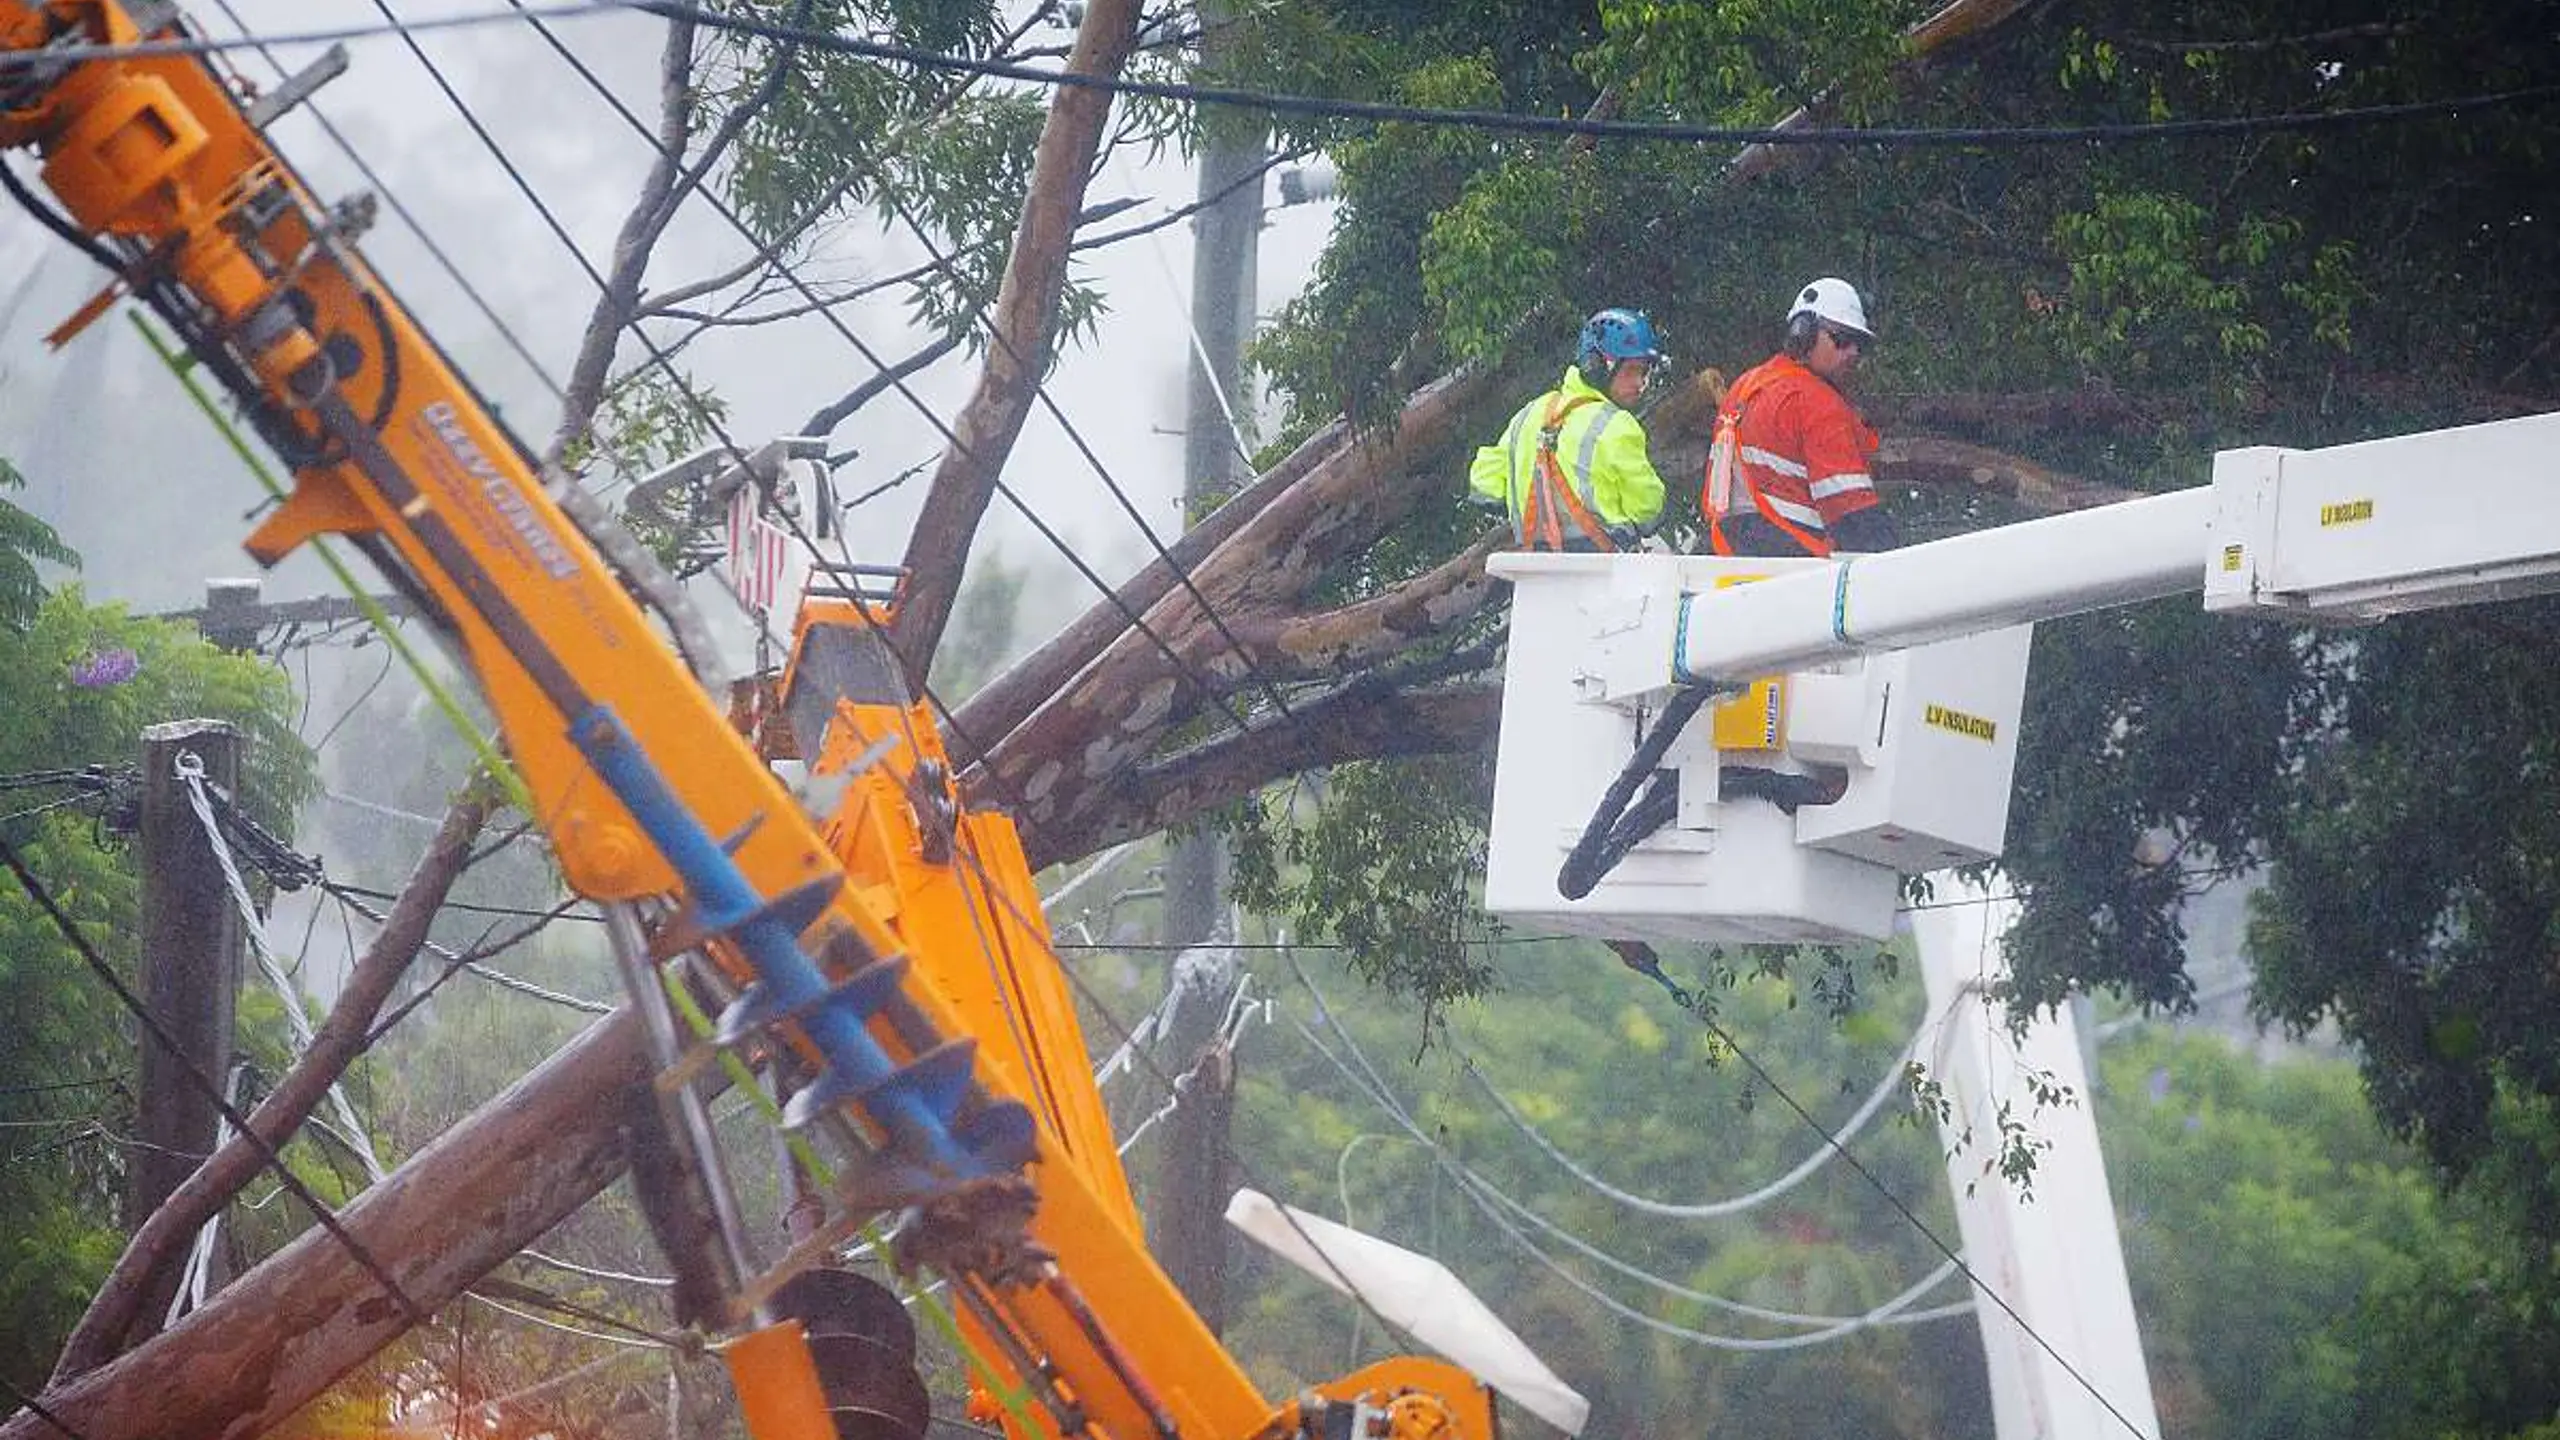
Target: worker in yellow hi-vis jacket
{"x":1571,"y":467}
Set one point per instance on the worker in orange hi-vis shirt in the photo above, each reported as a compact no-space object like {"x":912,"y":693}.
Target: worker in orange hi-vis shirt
{"x":1790,"y":472}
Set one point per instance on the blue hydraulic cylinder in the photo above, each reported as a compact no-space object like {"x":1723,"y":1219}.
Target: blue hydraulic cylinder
{"x":726,"y":903}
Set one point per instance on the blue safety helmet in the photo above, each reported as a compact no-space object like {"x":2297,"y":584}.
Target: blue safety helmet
{"x":1616,"y":334}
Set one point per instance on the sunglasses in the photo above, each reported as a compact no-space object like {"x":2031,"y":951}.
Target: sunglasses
{"x":1846,"y":339}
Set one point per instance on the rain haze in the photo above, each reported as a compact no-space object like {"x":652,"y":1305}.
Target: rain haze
{"x":146,"y":491}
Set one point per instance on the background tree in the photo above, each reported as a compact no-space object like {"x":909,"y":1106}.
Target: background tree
{"x":83,"y":681}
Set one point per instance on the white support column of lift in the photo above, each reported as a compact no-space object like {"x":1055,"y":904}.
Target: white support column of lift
{"x":1906,"y":671}
{"x":2055,"y":1256}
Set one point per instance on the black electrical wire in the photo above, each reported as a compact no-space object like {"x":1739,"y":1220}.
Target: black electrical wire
{"x":55,"y":221}
{"x":1273,"y":103}
{"x":205,"y":1084}
{"x":951,"y":437}
{"x":1612,"y":830}
{"x":39,"y":1409}
{"x":33,"y":58}
{"x":1642,"y":959}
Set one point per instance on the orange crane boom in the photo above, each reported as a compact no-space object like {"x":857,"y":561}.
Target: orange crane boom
{"x":893,"y":955}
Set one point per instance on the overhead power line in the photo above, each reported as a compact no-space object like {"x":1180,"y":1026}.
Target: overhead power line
{"x":1641,"y":959}
{"x":212,"y":45}
{"x":205,"y":1085}
{"x":1320,"y":107}
{"x":825,"y":310}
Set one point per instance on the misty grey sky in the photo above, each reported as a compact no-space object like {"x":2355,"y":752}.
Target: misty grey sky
{"x":119,"y":461}
{"x":139,"y":484}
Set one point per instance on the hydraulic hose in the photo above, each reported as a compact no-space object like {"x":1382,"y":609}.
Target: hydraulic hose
{"x":1606,"y":840}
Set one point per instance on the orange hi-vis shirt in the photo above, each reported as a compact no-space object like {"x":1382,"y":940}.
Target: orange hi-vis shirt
{"x":1791,"y":447}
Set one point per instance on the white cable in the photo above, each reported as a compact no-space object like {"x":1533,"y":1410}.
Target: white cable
{"x":1107,"y":859}
{"x":1374,"y":1088}
{"x":1833,"y":1327}
{"x":190,"y":769}
{"x":1894,"y":1080}
{"x":571,"y":1267}
{"x":371,"y":807}
{"x":1240,"y":1013}
{"x":195,"y":1282}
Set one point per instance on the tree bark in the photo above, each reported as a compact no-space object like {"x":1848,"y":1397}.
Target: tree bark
{"x":165,"y":1235}
{"x":1360,"y":721}
{"x":1024,"y":325}
{"x":1114,"y":712}
{"x":1385,"y":624}
{"x":1011,"y":697}
{"x":288,"y":1329}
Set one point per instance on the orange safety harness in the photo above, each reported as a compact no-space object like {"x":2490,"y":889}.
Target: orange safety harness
{"x":1723,"y":460}
{"x":1550,"y":494}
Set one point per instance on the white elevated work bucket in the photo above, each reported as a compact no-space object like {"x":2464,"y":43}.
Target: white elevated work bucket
{"x":1927,"y":737}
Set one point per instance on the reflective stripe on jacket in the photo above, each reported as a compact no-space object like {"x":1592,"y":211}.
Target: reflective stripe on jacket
{"x":1599,"y":449}
{"x":1791,"y":448}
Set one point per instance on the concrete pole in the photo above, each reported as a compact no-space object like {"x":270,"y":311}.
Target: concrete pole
{"x":1189,"y":1230}
{"x":192,"y":950}
{"x":1223,"y":271}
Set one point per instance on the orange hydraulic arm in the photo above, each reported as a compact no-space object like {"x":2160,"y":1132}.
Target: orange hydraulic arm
{"x":876,"y":953}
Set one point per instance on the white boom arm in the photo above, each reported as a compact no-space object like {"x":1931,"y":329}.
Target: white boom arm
{"x":1902,"y":674}
{"x":2352,"y":532}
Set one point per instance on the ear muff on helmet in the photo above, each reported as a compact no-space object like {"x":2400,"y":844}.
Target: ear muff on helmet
{"x":1801,"y":328}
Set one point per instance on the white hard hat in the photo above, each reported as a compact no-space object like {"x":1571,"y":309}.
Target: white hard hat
{"x":1835,"y":300}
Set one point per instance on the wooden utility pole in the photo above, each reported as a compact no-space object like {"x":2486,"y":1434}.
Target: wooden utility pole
{"x":192,"y":944}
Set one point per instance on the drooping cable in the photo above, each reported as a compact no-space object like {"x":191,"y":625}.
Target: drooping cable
{"x":1489,"y":1199}
{"x":1641,"y":958}
{"x":1893,"y":1082}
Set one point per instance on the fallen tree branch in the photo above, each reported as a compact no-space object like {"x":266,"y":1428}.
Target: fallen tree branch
{"x":1310,"y":646}
{"x":1116,"y":709}
{"x":1360,"y":721}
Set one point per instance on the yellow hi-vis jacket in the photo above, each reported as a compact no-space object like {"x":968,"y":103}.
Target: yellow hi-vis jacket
{"x":1599,"y":453}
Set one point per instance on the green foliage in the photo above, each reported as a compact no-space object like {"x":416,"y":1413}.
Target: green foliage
{"x":1501,"y":251}
{"x":1335,"y":345}
{"x":647,"y":421}
{"x":1384,"y":866}
{"x":24,"y":541}
{"x":844,"y":134}
{"x":2298,"y":1272}
{"x":65,"y":1088}
{"x":1747,"y":62}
